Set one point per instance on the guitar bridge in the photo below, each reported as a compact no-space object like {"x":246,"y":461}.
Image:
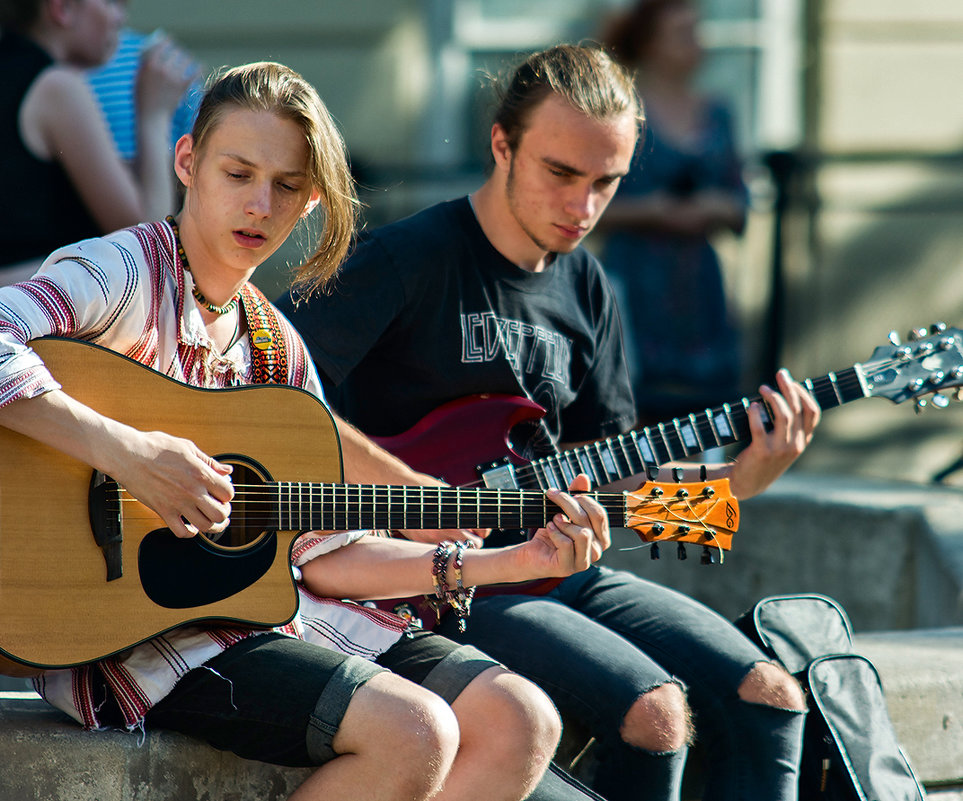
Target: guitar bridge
{"x":105,"y":522}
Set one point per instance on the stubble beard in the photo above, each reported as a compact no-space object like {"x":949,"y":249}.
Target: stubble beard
{"x":513,"y":208}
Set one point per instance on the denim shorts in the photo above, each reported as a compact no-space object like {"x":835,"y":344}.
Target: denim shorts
{"x":280,"y":700}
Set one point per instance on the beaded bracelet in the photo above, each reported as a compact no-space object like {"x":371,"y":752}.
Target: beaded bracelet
{"x":461,"y":599}
{"x":439,"y":576}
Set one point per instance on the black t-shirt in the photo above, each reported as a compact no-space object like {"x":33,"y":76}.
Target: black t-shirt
{"x":40,"y":208}
{"x":426,"y":311}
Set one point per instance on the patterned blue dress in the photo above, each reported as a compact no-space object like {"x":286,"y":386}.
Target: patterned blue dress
{"x":682,"y":346}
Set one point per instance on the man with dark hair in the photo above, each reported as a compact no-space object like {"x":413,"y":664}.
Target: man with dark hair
{"x":492,"y":293}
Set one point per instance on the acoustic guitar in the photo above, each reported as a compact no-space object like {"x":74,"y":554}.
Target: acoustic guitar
{"x":86,"y":571}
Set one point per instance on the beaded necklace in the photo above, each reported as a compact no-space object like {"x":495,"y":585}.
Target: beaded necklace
{"x":198,"y":295}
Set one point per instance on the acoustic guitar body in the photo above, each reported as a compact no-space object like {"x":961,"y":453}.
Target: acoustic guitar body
{"x":58,"y":605}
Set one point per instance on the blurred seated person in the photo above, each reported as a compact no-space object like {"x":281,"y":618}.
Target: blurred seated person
{"x":63,"y":177}
{"x":685,"y":185}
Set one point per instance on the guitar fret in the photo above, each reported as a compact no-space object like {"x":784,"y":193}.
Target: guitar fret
{"x":359,"y":520}
{"x":824,"y":392}
{"x":647,"y":447}
{"x":550,"y":479}
{"x":607,"y":460}
{"x":588,"y":469}
{"x":557,"y":471}
{"x":298,"y":504}
{"x":641,"y":457}
{"x":739,"y":420}
{"x":378,"y":517}
{"x":310,"y":511}
{"x":850,"y":380}
{"x":832,"y":381}
{"x":690,"y":436}
{"x":539,"y":473}
{"x":295,"y":517}
{"x":567,"y":473}
{"x":685,"y":436}
{"x":389,"y":514}
{"x":574,"y":461}
{"x":589,"y":466}
{"x":745,"y":408}
{"x":348,"y":507}
{"x":664,"y":436}
{"x":665,"y":454}
{"x":598,"y":453}
{"x":703,"y":423}
{"x":283,"y":508}
{"x":723,"y":423}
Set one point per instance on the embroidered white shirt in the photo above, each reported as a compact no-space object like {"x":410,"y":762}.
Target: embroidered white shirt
{"x":129,"y":292}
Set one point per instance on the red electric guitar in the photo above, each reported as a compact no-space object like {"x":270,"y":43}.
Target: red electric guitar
{"x":468,"y":441}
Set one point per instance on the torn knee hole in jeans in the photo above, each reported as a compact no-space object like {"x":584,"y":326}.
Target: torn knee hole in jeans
{"x":769,"y":684}
{"x":661,"y":726}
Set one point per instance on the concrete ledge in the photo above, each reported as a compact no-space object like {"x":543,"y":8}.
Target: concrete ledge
{"x":922,"y":675}
{"x":45,"y":756}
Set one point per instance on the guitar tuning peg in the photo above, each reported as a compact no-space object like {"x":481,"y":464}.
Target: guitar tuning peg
{"x":708,"y":492}
{"x":938,"y":328}
{"x":958,"y":394}
{"x":677,"y":475}
{"x":919,"y":405}
{"x":708,"y":557}
{"x":654,"y":551}
{"x":652,"y":471}
{"x":894,"y":339}
{"x":682,"y":492}
{"x":680,"y":552}
{"x":940,"y":402}
{"x":703,"y":472}
{"x":916,"y":333}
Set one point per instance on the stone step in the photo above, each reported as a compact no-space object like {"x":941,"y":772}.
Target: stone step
{"x":45,"y":756}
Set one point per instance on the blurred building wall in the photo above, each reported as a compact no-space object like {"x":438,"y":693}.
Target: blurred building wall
{"x":863,"y":95}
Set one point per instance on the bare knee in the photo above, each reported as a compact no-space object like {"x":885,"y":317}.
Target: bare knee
{"x":659,"y":720}
{"x":771,"y":685}
{"x":527,"y":721}
{"x":402,"y":730}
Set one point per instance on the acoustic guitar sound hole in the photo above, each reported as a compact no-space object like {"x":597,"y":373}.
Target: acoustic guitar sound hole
{"x":250,"y":510}
{"x":179,"y":573}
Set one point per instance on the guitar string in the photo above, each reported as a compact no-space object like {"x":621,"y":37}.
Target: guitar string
{"x":667,"y":536}
{"x":697,"y":521}
{"x":848,"y":382}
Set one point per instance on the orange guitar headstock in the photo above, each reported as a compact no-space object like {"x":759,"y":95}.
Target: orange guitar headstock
{"x":702,"y":513}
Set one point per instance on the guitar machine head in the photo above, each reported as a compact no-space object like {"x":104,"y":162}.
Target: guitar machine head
{"x":929,"y":363}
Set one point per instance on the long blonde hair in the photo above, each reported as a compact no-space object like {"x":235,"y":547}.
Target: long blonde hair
{"x":268,"y":86}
